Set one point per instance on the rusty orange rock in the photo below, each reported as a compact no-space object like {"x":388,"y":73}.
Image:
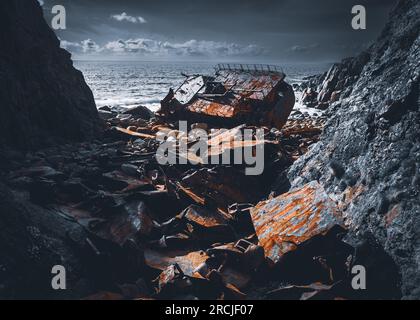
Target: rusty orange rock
{"x":286,"y":221}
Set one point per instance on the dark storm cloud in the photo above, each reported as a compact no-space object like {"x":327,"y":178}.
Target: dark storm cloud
{"x":304,"y":30}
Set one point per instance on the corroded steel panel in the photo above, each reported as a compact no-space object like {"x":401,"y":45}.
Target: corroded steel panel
{"x":204,"y":217}
{"x":188,"y":262}
{"x":239,"y":85}
{"x":256,"y":86}
{"x":286,"y":221}
{"x":247,"y":94}
{"x":212,"y":108}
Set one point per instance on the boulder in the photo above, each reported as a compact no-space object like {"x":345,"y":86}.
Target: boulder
{"x":32,"y":241}
{"x":141,"y":112}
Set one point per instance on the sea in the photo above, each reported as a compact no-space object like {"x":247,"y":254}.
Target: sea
{"x":133,"y":83}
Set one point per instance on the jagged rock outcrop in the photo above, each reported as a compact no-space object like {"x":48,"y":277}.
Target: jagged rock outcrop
{"x":43,"y":98}
{"x":322,"y":90}
{"x":368,"y":156}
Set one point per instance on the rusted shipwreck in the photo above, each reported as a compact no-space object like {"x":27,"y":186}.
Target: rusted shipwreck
{"x":236,"y":94}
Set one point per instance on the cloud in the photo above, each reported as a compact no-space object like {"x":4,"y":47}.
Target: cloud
{"x":69,"y":45}
{"x":41,"y":2}
{"x":87,"y":46}
{"x":153,"y":48}
{"x":125,"y":17}
{"x":304,"y":48}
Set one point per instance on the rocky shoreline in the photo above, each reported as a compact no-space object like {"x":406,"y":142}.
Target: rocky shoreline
{"x":132,"y":229}
{"x":110,"y":193}
{"x":368,"y":155}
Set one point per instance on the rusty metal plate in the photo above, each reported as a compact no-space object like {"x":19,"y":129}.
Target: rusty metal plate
{"x":252,"y":85}
{"x":187,"y":262}
{"x":240,"y":85}
{"x":204,"y":217}
{"x":286,"y":221}
{"x":212,"y":108}
{"x":135,"y":134}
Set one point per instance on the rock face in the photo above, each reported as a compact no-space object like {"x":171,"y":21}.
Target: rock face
{"x":323,"y":90}
{"x":43,"y":98}
{"x":368,"y":156}
{"x":32,"y":240}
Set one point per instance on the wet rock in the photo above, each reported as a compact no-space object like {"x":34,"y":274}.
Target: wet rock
{"x":141,"y":112}
{"x":32,"y":240}
{"x":381,"y":282}
{"x":139,"y":143}
{"x":38,"y":171}
{"x":128,"y":222}
{"x":53,"y":100}
{"x":105,"y":115}
{"x":336,"y":169}
{"x":370,"y":130}
{"x":206,"y":226}
{"x":335,"y":84}
{"x":105,"y":108}
{"x":130,"y":169}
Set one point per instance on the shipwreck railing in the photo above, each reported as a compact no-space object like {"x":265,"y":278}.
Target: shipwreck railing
{"x":248,"y":67}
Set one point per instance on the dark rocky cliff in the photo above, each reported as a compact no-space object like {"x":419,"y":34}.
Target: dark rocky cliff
{"x":43,"y":98}
{"x":368,"y":156}
{"x":321,"y":91}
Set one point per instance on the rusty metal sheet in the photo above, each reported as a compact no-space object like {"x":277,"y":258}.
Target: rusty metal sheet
{"x":286,"y":221}
{"x":233,"y":269}
{"x":135,"y":134}
{"x":252,"y":85}
{"x":240,"y":85}
{"x":224,"y":140}
{"x":204,"y":217}
{"x":169,"y":275}
{"x":224,"y":135}
{"x":187,"y":262}
{"x":198,"y":199}
{"x":233,"y":94}
{"x":213,"y":108}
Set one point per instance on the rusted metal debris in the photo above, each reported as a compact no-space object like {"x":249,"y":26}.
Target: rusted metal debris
{"x":236,"y":94}
{"x":187,"y":262}
{"x":199,"y":231}
{"x":290,"y":219}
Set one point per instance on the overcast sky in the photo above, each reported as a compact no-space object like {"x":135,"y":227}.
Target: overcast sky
{"x":252,"y":30}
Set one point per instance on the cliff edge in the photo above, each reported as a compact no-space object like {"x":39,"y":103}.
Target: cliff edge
{"x":368,"y":156}
{"x":43,"y":98}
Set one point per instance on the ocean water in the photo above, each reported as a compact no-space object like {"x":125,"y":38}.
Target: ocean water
{"x":133,"y":83}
